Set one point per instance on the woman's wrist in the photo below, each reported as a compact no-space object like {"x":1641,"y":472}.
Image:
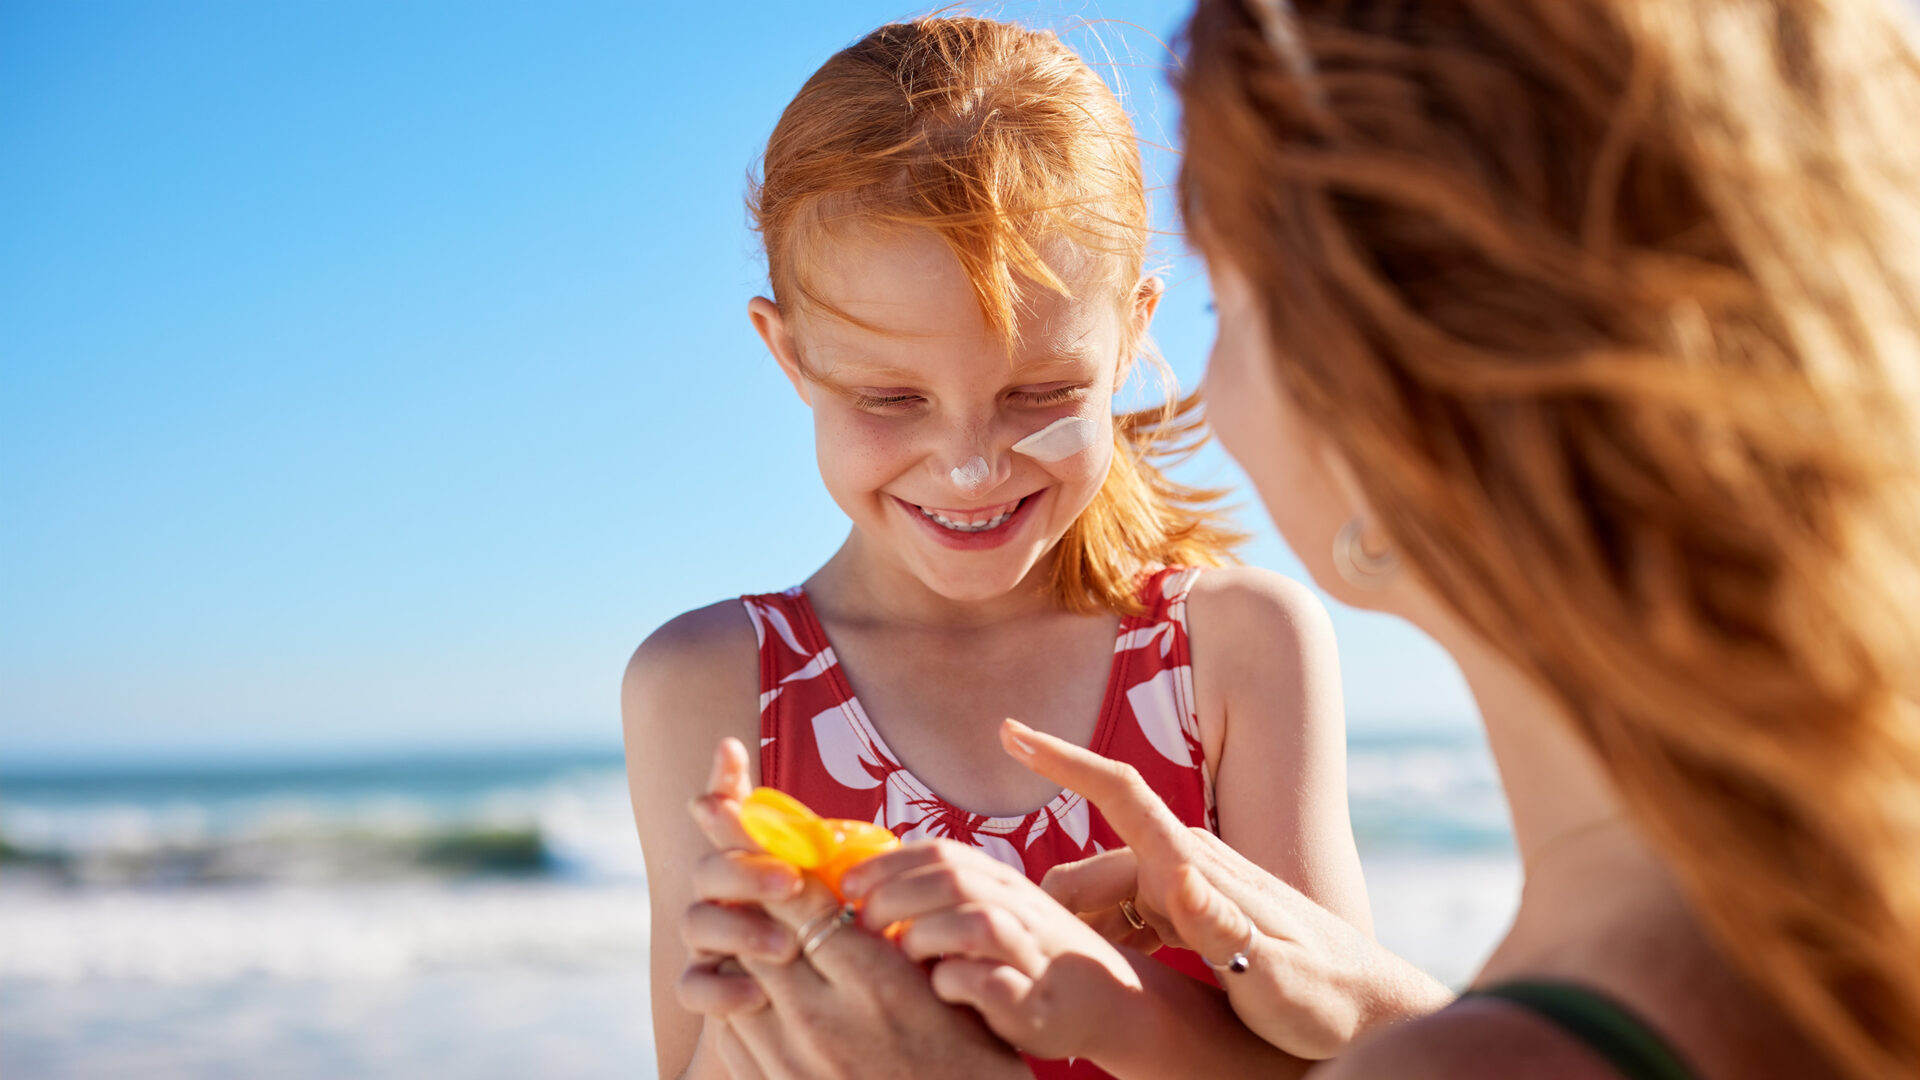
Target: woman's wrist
{"x":1400,"y":991}
{"x":1174,"y":1025}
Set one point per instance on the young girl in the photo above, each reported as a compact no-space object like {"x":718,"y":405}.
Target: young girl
{"x":955,"y":227}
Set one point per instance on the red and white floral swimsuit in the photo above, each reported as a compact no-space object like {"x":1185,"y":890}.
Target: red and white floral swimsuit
{"x":817,"y":744}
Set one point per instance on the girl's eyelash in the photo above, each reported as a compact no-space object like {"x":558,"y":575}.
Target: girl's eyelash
{"x":1044,"y":397}
{"x":1053,"y":397}
{"x":870,"y":401}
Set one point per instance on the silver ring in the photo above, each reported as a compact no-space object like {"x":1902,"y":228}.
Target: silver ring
{"x":1241,"y":960}
{"x":1133,"y":916}
{"x":821,"y":927}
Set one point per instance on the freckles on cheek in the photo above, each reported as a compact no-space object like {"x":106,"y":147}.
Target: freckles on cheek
{"x":861,"y":450}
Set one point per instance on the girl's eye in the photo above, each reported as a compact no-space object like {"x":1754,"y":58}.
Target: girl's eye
{"x":1054,"y":396}
{"x":883,"y":401}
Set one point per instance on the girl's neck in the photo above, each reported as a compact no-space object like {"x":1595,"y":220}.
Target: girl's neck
{"x":861,"y":583}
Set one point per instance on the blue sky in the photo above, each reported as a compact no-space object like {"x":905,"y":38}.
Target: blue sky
{"x":372,"y":375}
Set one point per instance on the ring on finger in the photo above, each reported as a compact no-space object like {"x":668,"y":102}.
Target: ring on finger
{"x":1242,"y":957}
{"x":821,"y":926}
{"x":1133,"y":915}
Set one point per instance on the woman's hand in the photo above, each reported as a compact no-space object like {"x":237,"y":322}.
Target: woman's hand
{"x":854,"y":1006}
{"x":1312,"y":981}
{"x":1042,"y":979}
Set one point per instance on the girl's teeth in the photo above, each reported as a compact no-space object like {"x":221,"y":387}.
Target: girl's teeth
{"x":960,"y":526}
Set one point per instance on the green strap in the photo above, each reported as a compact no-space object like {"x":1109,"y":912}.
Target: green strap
{"x":1610,"y":1030}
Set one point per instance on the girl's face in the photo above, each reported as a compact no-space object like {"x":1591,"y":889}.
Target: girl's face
{"x":916,"y":413}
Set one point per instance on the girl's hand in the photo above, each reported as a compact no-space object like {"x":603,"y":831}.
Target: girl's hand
{"x":732,"y":883}
{"x":1312,"y":981}
{"x":1042,"y":979}
{"x":854,"y":1007}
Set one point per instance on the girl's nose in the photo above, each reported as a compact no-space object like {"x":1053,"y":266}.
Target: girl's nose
{"x":973,"y":465}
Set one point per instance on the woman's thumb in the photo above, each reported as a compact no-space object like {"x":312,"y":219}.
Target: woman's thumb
{"x":1208,"y":922}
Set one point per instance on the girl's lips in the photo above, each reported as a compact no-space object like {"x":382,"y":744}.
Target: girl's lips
{"x":984,"y":539}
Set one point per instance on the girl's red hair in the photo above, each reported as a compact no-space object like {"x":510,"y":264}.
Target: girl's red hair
{"x":998,"y":139}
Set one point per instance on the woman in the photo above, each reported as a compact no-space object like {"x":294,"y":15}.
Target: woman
{"x":1582,"y":334}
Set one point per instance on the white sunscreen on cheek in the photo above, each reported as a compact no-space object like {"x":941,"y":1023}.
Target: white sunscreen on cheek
{"x":1059,"y":440}
{"x":971,"y":475}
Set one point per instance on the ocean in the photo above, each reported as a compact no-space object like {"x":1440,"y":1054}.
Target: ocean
{"x":480,"y":917}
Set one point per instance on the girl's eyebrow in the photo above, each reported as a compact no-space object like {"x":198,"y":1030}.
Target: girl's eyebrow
{"x":850,"y":372}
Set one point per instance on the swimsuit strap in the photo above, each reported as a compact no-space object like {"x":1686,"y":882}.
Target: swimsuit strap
{"x":1602,"y":1024}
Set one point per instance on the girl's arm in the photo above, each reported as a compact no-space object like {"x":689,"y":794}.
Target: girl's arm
{"x":1266,"y":675}
{"x":694,"y":681}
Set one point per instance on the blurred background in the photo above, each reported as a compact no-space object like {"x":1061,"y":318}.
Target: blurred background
{"x":373,"y":378}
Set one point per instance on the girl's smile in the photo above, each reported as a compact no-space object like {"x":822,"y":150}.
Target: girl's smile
{"x":980,"y":529}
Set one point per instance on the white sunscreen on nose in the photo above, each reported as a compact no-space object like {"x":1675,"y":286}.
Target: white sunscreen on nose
{"x":1059,"y":440}
{"x":970,"y":476}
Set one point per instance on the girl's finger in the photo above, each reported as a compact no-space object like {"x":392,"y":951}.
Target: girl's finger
{"x":736,"y":931}
{"x":1095,"y":883}
{"x":745,"y":877}
{"x":708,"y":991}
{"x":718,"y":811}
{"x":980,"y":931}
{"x":1115,"y":788}
{"x":741,"y":1060}
{"x":730,"y":777}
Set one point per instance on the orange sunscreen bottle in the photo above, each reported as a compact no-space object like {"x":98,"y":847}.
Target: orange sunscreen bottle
{"x":824,"y":847}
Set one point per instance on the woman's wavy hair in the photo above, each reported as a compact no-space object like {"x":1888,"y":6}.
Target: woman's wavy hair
{"x":1612,"y":306}
{"x":999,"y":139}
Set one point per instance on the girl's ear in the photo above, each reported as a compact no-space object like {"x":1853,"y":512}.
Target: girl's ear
{"x":767,"y":321}
{"x":1146,"y":300}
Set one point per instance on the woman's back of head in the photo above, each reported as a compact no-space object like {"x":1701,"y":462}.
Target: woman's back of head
{"x":1614,"y":308}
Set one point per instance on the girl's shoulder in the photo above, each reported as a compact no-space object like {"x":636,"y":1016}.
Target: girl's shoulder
{"x":1247,"y":614}
{"x":692,"y":681}
{"x":713,"y":641}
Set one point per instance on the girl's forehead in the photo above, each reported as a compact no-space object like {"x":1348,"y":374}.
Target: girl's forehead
{"x":889,"y":293}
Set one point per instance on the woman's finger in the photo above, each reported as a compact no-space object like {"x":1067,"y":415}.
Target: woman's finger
{"x":996,"y":991}
{"x":736,"y":931}
{"x":1115,"y":927}
{"x":980,"y":931}
{"x":745,"y":877}
{"x":863,"y":878}
{"x":1115,"y":788}
{"x":1095,"y":883}
{"x":932,"y":887}
{"x":860,"y":881}
{"x":1208,"y":922}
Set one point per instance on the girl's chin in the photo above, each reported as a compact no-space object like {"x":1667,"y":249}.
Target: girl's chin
{"x":974,"y":587}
